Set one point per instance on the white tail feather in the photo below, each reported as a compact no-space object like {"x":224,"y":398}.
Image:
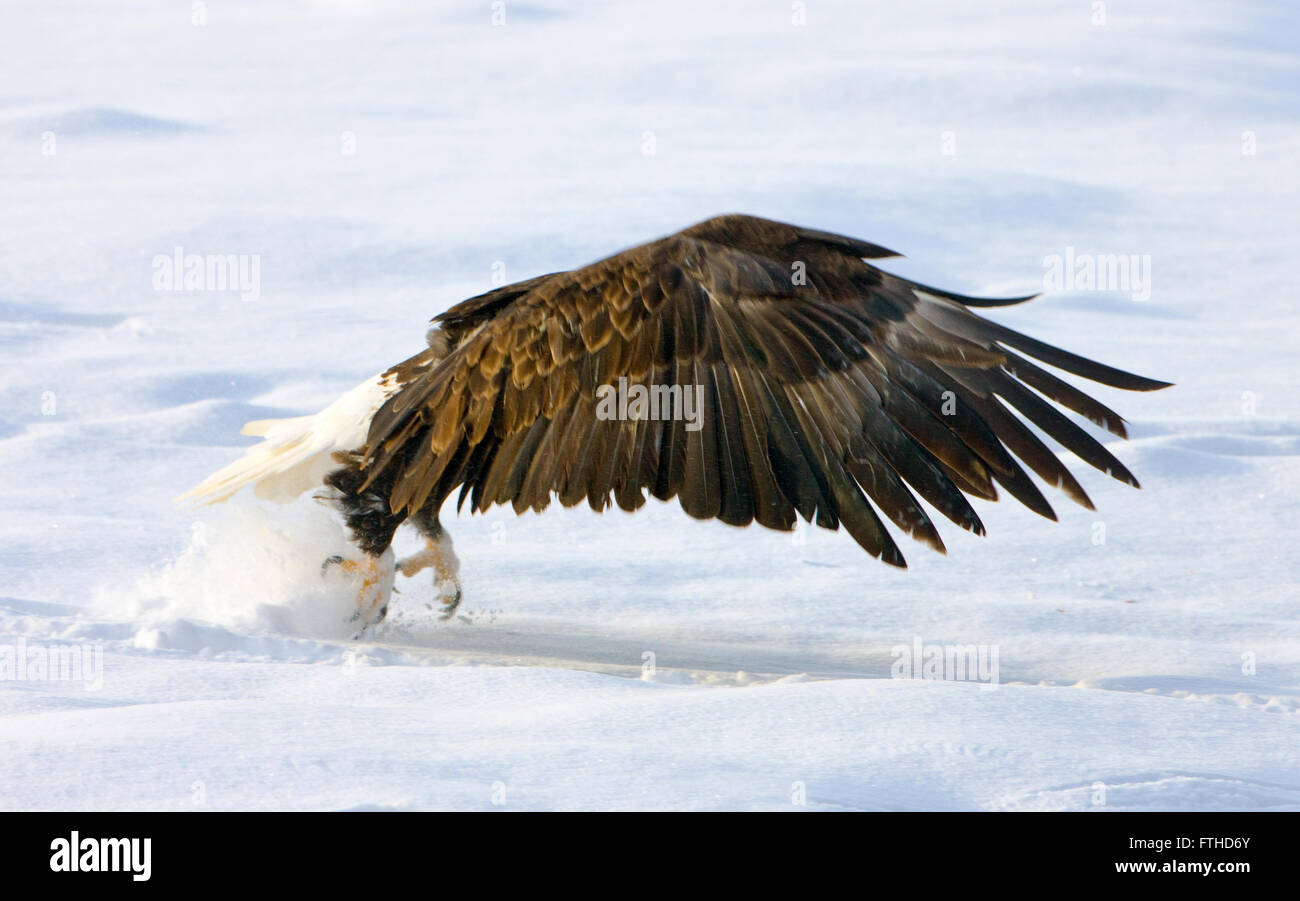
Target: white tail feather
{"x":259,"y":427}
{"x":294,"y":455}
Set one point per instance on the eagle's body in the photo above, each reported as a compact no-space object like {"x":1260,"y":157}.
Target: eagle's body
{"x":822,"y":386}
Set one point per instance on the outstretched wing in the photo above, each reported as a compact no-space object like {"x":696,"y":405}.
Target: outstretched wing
{"x":827,"y":386}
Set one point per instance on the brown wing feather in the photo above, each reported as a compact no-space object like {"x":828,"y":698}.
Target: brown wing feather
{"x":827,"y":386}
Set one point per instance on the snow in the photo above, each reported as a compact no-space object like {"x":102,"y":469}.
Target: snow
{"x":382,"y":162}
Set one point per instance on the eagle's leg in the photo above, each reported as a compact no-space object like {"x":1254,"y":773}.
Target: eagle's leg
{"x":372,"y":525}
{"x":439,"y":555}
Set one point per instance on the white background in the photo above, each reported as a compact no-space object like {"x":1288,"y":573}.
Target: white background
{"x":975,"y":139}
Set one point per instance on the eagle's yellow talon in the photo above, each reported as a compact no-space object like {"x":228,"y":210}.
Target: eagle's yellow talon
{"x":439,"y":555}
{"x":376,"y":586}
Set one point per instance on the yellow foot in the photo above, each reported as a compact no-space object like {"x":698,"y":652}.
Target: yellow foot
{"x":439,"y":555}
{"x":420,"y":560}
{"x":376,"y":586}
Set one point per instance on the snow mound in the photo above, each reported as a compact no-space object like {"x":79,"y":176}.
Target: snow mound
{"x":248,"y":569}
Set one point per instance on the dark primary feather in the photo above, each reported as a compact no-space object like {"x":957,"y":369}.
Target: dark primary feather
{"x":831,"y":391}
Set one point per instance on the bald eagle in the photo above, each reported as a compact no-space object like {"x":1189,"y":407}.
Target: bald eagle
{"x":753,"y":370}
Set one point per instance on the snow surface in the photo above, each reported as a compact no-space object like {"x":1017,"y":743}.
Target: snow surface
{"x":1157,"y":669}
